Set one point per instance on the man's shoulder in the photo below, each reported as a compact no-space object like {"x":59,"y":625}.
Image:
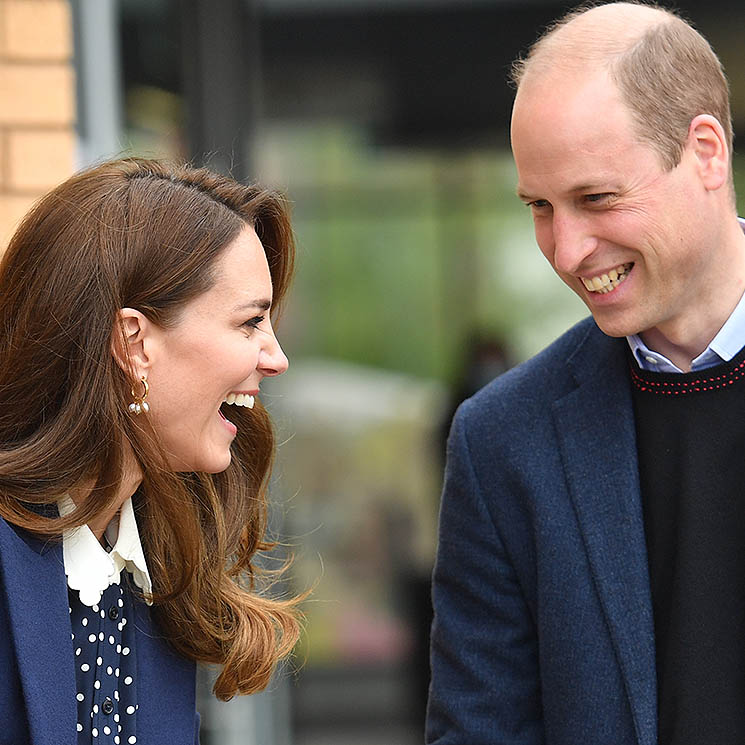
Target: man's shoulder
{"x":528,"y":388}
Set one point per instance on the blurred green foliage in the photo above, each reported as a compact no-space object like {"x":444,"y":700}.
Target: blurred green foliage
{"x":407,"y":256}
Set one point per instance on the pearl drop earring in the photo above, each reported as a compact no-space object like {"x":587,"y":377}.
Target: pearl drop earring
{"x":140,"y":404}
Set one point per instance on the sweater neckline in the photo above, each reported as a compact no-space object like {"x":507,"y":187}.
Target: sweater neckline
{"x":676,"y":384}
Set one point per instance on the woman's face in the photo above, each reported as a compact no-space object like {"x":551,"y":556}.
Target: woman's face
{"x":222,"y":344}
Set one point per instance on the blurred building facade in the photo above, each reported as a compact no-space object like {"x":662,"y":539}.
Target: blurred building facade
{"x":37,"y":104}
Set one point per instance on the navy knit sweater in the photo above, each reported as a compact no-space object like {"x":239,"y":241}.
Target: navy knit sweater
{"x":691,"y":446}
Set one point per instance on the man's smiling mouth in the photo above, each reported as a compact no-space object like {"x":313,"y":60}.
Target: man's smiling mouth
{"x":605,"y":283}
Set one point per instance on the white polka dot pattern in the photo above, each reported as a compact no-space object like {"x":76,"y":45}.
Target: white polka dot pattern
{"x":107,"y":713}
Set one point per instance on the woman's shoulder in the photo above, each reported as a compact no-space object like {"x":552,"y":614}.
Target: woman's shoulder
{"x":12,"y":535}
{"x":21,"y":546}
{"x":8,"y":533}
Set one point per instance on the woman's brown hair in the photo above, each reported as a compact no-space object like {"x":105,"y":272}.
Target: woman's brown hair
{"x":141,"y":234}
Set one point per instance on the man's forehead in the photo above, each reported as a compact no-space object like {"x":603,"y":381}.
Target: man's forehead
{"x":581,"y":104}
{"x":562,"y":83}
{"x":577,"y":148}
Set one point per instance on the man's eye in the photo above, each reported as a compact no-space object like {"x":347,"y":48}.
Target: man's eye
{"x":538,"y":204}
{"x":602,"y":197}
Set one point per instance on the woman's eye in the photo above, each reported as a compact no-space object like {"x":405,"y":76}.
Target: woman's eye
{"x":254,"y":322}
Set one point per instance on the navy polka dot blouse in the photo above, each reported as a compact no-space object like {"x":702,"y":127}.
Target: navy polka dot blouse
{"x":105,"y":666}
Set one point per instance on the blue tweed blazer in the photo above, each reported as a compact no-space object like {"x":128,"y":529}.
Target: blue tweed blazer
{"x":543,"y":630}
{"x":37,"y":676}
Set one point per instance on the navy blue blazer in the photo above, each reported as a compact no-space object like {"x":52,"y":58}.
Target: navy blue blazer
{"x":543,"y":630}
{"x":37,"y":675}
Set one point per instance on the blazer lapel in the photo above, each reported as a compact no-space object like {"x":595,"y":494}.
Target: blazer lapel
{"x":165,"y":685}
{"x":598,"y":446}
{"x":36,"y":596}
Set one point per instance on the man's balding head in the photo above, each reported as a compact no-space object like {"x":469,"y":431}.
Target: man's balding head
{"x":587,"y":36}
{"x":665,"y":70}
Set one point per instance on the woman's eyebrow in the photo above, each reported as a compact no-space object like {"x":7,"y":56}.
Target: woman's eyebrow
{"x":262,"y":304}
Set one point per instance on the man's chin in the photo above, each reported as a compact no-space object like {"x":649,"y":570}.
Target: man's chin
{"x":614,"y":326}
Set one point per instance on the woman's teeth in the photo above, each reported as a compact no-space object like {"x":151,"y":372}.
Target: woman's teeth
{"x":606,"y":282}
{"x":240,"y":399}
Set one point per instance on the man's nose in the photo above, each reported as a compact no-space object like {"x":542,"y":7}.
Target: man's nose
{"x":574,"y":243}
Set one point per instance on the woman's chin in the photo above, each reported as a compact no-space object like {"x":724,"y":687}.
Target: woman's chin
{"x":216,"y":463}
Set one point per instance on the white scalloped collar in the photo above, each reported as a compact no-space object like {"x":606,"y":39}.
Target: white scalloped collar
{"x":90,"y":569}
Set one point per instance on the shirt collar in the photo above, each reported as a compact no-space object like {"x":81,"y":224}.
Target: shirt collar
{"x":723,"y":347}
{"x":90,"y":569}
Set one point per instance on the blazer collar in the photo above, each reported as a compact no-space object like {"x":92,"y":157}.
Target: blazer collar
{"x":36,"y":599}
{"x":597,"y":441}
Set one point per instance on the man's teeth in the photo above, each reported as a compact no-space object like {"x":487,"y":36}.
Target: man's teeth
{"x":240,"y":399}
{"x":607,"y":282}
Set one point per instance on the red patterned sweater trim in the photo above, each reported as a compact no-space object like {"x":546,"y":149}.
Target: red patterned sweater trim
{"x":697,"y":384}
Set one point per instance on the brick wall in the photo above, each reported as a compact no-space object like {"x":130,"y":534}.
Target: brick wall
{"x":37,"y":108}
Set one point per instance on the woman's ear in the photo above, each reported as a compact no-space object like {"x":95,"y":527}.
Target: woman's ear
{"x":129,"y":342}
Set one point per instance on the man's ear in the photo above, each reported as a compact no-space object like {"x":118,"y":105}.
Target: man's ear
{"x":130,"y":342}
{"x":707,"y":138}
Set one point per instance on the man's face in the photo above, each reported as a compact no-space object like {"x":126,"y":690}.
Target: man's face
{"x":622,"y":232}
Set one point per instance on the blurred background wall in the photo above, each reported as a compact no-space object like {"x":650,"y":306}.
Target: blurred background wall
{"x":385,"y":122}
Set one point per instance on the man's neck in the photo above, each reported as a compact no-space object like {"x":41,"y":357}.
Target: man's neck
{"x":683,"y":341}
{"x":681,"y":356}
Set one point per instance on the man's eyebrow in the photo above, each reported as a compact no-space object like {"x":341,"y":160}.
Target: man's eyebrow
{"x":261,"y":304}
{"x":524,"y":195}
{"x":587,"y":187}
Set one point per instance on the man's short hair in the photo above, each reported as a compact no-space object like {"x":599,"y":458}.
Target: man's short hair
{"x":667,"y":74}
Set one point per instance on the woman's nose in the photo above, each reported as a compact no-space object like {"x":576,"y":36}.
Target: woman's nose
{"x":273,"y":361}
